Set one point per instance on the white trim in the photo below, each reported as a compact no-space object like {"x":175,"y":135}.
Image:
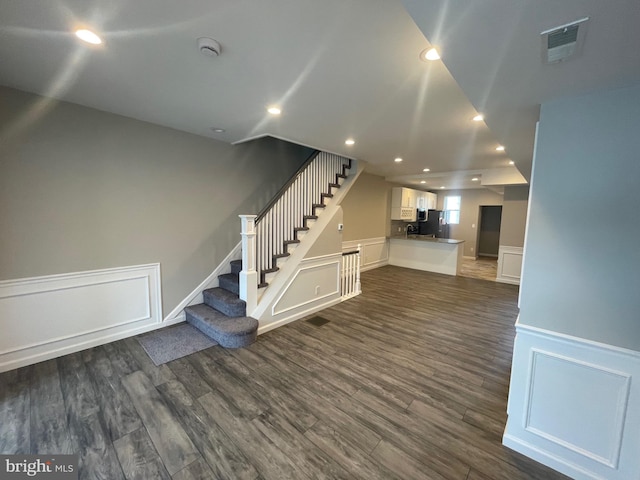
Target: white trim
{"x":576,"y":341}
{"x":507,"y":255}
{"x":133,"y":291}
{"x":621,"y":410}
{"x":211,"y":281}
{"x":573,"y":404}
{"x":296,"y":316}
{"x":365,"y":249}
{"x":274,"y":308}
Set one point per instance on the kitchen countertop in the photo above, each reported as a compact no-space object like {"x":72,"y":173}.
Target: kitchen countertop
{"x":427,"y":238}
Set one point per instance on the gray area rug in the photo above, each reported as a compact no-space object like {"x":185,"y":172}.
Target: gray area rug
{"x":170,"y":343}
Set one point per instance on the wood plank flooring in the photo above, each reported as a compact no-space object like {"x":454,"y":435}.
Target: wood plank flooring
{"x":407,"y":381}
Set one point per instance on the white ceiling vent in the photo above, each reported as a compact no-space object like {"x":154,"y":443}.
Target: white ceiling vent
{"x":563,"y":42}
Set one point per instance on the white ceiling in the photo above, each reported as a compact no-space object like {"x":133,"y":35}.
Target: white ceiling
{"x":338,"y":69}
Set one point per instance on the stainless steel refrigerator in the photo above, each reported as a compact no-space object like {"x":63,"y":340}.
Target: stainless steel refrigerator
{"x":435,"y":225}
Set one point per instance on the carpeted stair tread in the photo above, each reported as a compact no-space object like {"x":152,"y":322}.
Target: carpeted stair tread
{"x":230,"y":281}
{"x":225,"y":302}
{"x":236,"y":266}
{"x":229,"y":332}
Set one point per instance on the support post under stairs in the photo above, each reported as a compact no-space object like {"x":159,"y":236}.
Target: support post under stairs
{"x":249,"y":274}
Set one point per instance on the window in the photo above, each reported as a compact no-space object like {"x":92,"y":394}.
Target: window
{"x":452,"y":209}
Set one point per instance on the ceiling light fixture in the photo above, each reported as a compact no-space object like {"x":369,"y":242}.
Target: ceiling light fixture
{"x":397,"y":160}
{"x":218,"y":130}
{"x":349,"y":141}
{"x":478,"y":118}
{"x":274,"y":110}
{"x":442,"y":187}
{"x":430,"y":54}
{"x":500,"y":148}
{"x":475,"y":179}
{"x":511,"y":162}
{"x":423,"y":181}
{"x":88,"y":36}
{"x":426,"y":169}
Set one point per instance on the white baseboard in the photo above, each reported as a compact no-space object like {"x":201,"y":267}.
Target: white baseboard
{"x":509,"y":264}
{"x":49,"y":316}
{"x":298,"y":315}
{"x":211,"y":281}
{"x":313,"y":286}
{"x":374,"y":252}
{"x":574,"y":405}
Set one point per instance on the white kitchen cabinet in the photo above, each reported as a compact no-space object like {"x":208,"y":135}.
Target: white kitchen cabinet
{"x":403,"y":204}
{"x":431,"y":201}
{"x":426,"y":200}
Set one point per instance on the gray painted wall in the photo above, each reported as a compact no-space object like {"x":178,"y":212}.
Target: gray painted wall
{"x":582,"y":260}
{"x":469,"y":214}
{"x":514,"y":215}
{"x":367,"y":208}
{"x":82,"y":189}
{"x":330,"y":240}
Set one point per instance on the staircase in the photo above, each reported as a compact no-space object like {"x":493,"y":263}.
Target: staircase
{"x":272,"y":233}
{"x":222,"y":316}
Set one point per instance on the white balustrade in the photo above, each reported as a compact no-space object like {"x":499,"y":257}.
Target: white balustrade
{"x":350,"y":274}
{"x":277,"y":225}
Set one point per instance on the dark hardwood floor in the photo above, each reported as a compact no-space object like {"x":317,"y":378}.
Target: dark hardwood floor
{"x":407,"y":381}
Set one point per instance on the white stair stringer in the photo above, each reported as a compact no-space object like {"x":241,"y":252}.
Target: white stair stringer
{"x":282,"y":280}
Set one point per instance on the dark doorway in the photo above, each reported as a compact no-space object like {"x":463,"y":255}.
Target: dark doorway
{"x":489,"y":235}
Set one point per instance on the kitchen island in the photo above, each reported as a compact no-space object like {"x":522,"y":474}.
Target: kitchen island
{"x":421,"y":252}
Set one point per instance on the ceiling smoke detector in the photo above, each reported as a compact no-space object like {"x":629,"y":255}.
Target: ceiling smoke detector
{"x":563,"y":42}
{"x":209,"y":47}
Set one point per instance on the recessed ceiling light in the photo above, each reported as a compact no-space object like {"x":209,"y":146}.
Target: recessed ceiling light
{"x":478,"y":118}
{"x":426,"y":169}
{"x":397,"y":160}
{"x":274,"y":110}
{"x":500,"y":148}
{"x":475,"y":179}
{"x":423,"y":181}
{"x":442,"y":187}
{"x":218,"y":130}
{"x":349,"y":141}
{"x":88,"y":36}
{"x":430,"y":54}
{"x":511,"y":162}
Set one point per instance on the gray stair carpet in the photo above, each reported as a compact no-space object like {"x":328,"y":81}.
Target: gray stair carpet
{"x":225,"y":301}
{"x":229,"y":332}
{"x":222,"y":316}
{"x":236,"y":266}
{"x":230,"y":281}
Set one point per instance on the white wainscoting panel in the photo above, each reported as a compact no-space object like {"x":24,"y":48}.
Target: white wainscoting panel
{"x":46,"y":317}
{"x":509,"y":264}
{"x":374,"y":252}
{"x":315,"y":285}
{"x":574,"y":405}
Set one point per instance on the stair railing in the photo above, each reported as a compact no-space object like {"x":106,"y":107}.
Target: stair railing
{"x":350,"y":274}
{"x":266,"y":237}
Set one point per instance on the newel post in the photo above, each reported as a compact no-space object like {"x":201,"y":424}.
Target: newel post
{"x":249,"y":274}
{"x":358,"y":286}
